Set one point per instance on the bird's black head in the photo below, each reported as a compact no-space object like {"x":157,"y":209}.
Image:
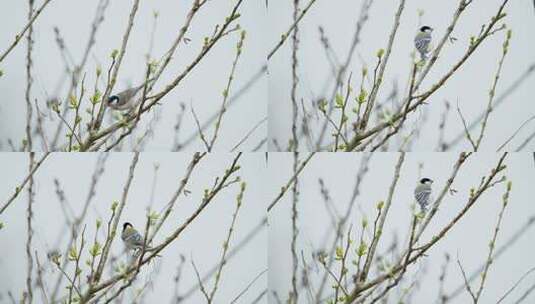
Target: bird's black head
{"x":113,"y":99}
{"x":126,"y":225}
{"x":425,"y":29}
{"x":426,"y":180}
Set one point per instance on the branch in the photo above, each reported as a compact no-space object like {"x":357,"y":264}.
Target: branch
{"x":24,"y":182}
{"x":290,"y":30}
{"x":290,"y":181}
{"x":375,"y":89}
{"x":112,"y":230}
{"x":382,"y":219}
{"x":226,"y":244}
{"x":28,"y":26}
{"x":209,"y":196}
{"x":492,"y":92}
{"x":226,"y":93}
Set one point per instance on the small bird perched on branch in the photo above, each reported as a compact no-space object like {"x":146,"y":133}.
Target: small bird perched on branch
{"x":422,"y":41}
{"x":127,"y":99}
{"x":422,"y":193}
{"x":131,"y":238}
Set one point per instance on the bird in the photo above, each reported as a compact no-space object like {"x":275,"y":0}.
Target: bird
{"x":422,"y":193}
{"x":131,"y":238}
{"x":126,"y":99}
{"x":422,"y":41}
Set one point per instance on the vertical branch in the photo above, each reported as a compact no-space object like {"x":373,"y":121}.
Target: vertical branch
{"x":29,"y":215}
{"x":492,"y":244}
{"x":375,"y":89}
{"x":28,"y":142}
{"x":492,"y":92}
{"x":294,"y":295}
{"x":223,"y":261}
{"x":295,"y":80}
{"x":382,"y":220}
{"x":40,"y":282}
{"x":226,"y":92}
{"x":113,"y":229}
{"x":122,"y":51}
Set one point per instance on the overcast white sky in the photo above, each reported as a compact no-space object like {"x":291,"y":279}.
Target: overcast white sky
{"x":203,"y":87}
{"x":469,"y":87}
{"x":468,"y":239}
{"x":203,"y":239}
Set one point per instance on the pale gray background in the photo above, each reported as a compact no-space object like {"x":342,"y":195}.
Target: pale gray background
{"x":203,"y":87}
{"x":470,"y":85}
{"x":203,"y":239}
{"x":469,"y":238}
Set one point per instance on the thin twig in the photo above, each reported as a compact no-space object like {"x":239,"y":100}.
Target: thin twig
{"x":290,"y":182}
{"x":28,"y":26}
{"x":248,"y":286}
{"x":19,"y":188}
{"x":226,"y":244}
{"x":285,"y":36}
{"x":226,"y":92}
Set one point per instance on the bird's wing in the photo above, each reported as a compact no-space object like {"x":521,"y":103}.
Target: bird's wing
{"x":422,"y":43}
{"x":126,"y":95}
{"x":135,"y":238}
{"x":422,"y":196}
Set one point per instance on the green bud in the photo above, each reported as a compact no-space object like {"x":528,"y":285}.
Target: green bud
{"x":95,"y":250}
{"x":362,"y":96}
{"x":339,"y":100}
{"x":114,"y":205}
{"x":339,"y":253}
{"x":380,"y":53}
{"x":361,"y":250}
{"x":114,"y":54}
{"x":73,"y":253}
{"x":380,"y":205}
